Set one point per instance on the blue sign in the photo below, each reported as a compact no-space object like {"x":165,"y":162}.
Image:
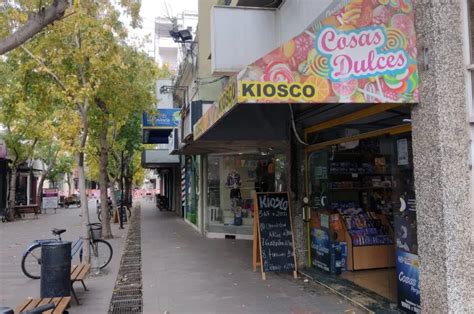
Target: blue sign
{"x":320,"y":249}
{"x":162,"y":118}
{"x":408,"y":281}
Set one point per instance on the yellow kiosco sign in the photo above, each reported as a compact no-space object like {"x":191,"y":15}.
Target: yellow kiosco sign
{"x":253,"y":90}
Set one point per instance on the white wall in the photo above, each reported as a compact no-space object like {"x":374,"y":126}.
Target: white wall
{"x":163,"y":100}
{"x":294,"y":16}
{"x":241,"y":35}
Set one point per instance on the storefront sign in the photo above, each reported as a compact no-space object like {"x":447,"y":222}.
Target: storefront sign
{"x":275,"y":231}
{"x":320,"y":249}
{"x":408,"y":282}
{"x":162,"y":118}
{"x":226,"y":101}
{"x":50,"y":198}
{"x":358,"y":51}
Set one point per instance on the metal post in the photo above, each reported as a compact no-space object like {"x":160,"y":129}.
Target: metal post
{"x":121,"y":192}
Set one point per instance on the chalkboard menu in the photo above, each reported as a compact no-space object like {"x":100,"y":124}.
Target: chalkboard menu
{"x":276,"y":235}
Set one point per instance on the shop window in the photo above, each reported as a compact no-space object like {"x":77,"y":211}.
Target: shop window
{"x":233,"y":181}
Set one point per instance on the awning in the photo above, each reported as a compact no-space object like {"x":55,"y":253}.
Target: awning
{"x":251,"y":128}
{"x":356,"y":52}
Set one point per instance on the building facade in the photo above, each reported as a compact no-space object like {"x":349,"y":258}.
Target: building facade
{"x":384,"y":158}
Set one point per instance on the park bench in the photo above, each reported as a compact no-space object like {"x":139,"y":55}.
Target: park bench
{"x":27,"y":209}
{"x":78,"y":273}
{"x":29,"y":304}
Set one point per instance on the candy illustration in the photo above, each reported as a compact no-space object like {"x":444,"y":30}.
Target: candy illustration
{"x":404,"y":5}
{"x":278,"y":72}
{"x":323,"y":89}
{"x":404,"y":23}
{"x":371,"y":93}
{"x":318,"y":64}
{"x":344,"y":89}
{"x":303,"y":45}
{"x":395,"y":39}
{"x":381,"y":15}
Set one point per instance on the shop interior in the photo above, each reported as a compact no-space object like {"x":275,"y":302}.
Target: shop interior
{"x":233,"y":180}
{"x":361,"y":192}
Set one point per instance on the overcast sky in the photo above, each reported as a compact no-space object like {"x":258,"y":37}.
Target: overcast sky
{"x":154,"y":8}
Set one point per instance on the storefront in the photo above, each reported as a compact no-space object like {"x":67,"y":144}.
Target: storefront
{"x":232,"y":181}
{"x":347,"y":85}
{"x":360,"y":186}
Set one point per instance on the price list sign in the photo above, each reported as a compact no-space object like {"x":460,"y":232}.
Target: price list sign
{"x":275,"y":234}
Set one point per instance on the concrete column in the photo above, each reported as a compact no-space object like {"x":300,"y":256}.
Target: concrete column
{"x":442,"y":162}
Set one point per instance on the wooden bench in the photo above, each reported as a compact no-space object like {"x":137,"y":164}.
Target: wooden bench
{"x":78,"y":273}
{"x":30,"y":304}
{"x":27,"y":209}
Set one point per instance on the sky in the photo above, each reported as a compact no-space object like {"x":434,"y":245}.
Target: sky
{"x":154,"y":8}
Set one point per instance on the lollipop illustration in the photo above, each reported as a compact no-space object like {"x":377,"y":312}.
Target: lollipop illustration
{"x":395,"y":39}
{"x":318,"y":64}
{"x":278,"y":72}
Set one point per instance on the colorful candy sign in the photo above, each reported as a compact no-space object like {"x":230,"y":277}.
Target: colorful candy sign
{"x":358,"y":51}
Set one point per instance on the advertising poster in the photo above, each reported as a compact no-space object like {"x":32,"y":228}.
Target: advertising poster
{"x":355,"y":52}
{"x":162,"y":118}
{"x":408,"y":282}
{"x":50,"y":198}
{"x":320,"y":249}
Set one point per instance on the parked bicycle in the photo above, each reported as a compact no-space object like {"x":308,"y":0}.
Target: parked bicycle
{"x":111,"y":210}
{"x":99,"y":248}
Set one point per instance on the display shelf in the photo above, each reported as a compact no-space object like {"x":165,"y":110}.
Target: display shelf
{"x":362,"y":188}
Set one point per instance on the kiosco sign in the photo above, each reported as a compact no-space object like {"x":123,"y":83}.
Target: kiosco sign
{"x":359,"y":51}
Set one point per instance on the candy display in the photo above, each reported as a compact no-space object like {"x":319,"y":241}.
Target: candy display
{"x":364,"y":228}
{"x":364,"y":52}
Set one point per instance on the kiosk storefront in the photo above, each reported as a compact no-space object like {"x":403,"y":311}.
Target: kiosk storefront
{"x":347,"y":83}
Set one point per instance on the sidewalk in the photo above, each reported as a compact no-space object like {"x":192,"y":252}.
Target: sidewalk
{"x":184,"y":272}
{"x":15,"y":238}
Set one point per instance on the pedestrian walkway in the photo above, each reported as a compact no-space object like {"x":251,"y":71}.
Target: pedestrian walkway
{"x":184,"y":272}
{"x":15,"y":238}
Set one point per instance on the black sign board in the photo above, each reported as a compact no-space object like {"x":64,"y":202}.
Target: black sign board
{"x":275,"y":234}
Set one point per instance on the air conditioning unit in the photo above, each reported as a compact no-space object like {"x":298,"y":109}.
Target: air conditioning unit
{"x":190,"y":116}
{"x":173,"y":142}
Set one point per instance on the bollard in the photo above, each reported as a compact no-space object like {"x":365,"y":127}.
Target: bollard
{"x":55,"y":269}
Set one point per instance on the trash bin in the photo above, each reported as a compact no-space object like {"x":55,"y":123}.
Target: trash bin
{"x":96,"y":230}
{"x":6,"y":310}
{"x":55,"y":269}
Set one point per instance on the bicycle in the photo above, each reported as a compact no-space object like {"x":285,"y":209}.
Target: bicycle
{"x":31,"y":261}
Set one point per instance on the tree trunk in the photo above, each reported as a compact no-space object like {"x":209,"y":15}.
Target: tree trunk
{"x":112,"y":193}
{"x":103,"y":182}
{"x":69,"y":184}
{"x":84,"y":207}
{"x":11,"y":201}
{"x":39,"y":193}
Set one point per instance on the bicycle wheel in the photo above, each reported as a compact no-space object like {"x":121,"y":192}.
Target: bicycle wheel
{"x":103,"y":250}
{"x":31,"y":262}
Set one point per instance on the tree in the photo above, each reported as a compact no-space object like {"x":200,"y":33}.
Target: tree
{"x":73,"y":57}
{"x":37,"y":17}
{"x":35,"y":23}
